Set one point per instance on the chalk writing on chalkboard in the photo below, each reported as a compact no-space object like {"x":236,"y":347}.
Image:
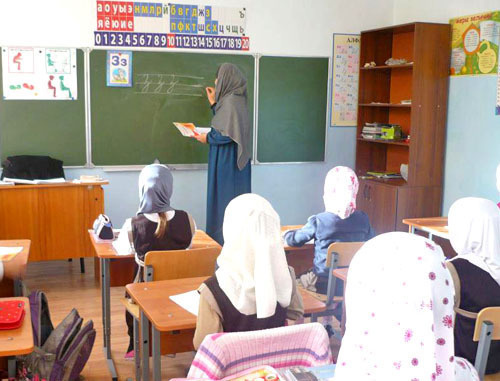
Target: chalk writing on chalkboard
{"x":170,"y":84}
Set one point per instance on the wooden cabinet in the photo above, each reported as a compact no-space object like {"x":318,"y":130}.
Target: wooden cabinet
{"x":424,"y":81}
{"x":379,"y":202}
{"x":54,"y":217}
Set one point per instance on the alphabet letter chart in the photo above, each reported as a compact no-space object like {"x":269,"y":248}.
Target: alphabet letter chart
{"x":345,"y":79}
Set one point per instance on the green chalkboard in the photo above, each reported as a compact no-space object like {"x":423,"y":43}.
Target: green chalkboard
{"x":134,"y":125}
{"x":292,"y":109}
{"x":45,"y":127}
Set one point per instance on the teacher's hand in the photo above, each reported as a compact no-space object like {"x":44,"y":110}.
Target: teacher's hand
{"x":202,"y":138}
{"x":210,"y":94}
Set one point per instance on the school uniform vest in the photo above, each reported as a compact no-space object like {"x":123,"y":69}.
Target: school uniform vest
{"x":478,"y":290}
{"x":177,"y":236}
{"x":234,"y":321}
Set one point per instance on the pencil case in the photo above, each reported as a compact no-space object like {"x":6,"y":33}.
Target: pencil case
{"x":11,"y":314}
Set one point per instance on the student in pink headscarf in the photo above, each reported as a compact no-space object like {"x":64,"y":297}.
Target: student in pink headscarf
{"x":340,"y":222}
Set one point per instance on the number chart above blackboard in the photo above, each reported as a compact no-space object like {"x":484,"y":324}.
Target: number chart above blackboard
{"x":167,"y":25}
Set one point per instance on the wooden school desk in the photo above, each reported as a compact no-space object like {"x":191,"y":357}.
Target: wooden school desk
{"x":7,"y":286}
{"x":300,"y":258}
{"x":17,"y":342}
{"x":54,"y":217}
{"x":164,"y":315}
{"x":106,"y":253}
{"x":434,"y":226}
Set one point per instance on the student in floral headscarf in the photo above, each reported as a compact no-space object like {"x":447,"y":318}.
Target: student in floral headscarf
{"x":340,"y":222}
{"x":399,"y":309}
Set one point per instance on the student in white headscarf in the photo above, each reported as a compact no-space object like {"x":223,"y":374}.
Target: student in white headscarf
{"x":253,"y":288}
{"x":399,"y":314}
{"x":474,"y":228}
{"x":340,"y":222}
{"x":157,"y":225}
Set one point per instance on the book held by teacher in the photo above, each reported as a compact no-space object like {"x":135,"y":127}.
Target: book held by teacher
{"x":190,"y":130}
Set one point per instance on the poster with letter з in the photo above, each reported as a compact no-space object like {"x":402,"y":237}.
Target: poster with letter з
{"x":168,"y":25}
{"x":474,"y":44}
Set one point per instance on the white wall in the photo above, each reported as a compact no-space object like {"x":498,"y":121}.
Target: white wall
{"x":285,"y":27}
{"x":473,"y":133}
{"x":439,"y":10}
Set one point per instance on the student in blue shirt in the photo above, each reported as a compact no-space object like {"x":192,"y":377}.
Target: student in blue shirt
{"x":340,"y":222}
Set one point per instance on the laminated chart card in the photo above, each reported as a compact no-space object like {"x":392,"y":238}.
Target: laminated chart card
{"x":39,"y":73}
{"x":345,"y":79}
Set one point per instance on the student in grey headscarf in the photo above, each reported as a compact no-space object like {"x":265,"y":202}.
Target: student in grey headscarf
{"x":157,"y":225}
{"x":229,"y":171}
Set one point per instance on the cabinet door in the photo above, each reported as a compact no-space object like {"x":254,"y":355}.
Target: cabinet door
{"x":378,"y":201}
{"x":362,"y":201}
{"x":384,"y":201}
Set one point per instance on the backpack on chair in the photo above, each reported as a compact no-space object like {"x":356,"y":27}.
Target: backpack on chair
{"x":60,"y":353}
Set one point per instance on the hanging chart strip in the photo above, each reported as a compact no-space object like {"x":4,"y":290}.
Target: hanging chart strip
{"x":344,"y":102}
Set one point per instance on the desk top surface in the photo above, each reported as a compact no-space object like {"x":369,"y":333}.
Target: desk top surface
{"x":437,"y":224}
{"x":105,"y":249}
{"x":25,"y":243}
{"x":66,"y":184}
{"x":165,"y":315}
{"x":19,"y":341}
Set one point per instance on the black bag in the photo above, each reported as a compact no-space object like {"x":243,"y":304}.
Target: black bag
{"x":29,"y":167}
{"x":103,"y":228}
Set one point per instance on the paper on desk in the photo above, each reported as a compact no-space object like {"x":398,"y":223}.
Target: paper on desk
{"x":189,"y":301}
{"x":57,"y":180}
{"x":6,"y":252}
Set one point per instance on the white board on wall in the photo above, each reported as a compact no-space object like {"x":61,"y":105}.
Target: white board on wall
{"x":39,"y":73}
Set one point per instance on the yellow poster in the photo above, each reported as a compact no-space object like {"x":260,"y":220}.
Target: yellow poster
{"x":474,"y":44}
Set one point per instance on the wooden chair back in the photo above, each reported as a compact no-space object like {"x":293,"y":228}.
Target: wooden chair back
{"x":345,"y":252}
{"x":178,"y":264}
{"x":487,"y":329}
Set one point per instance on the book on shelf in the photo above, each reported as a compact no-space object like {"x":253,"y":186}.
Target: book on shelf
{"x":385,"y":175}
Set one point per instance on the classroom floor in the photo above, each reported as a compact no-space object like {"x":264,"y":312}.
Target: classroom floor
{"x":67,"y":288}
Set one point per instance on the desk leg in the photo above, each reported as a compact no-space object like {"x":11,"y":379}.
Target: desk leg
{"x":11,"y":367}
{"x":18,"y":287}
{"x":137,"y":354}
{"x":430,"y":236}
{"x":145,"y":346}
{"x":106,"y":315}
{"x":156,"y":355}
{"x":412,"y":229}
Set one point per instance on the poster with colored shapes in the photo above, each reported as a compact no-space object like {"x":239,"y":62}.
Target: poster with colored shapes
{"x":474,"y":44}
{"x":39,"y":73}
{"x":344,"y":102}
{"x":170,"y":25}
{"x":119,"y":69}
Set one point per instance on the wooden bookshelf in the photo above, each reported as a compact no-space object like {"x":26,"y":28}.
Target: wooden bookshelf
{"x":424,"y":80}
{"x":388,"y":67}
{"x":384,"y":105}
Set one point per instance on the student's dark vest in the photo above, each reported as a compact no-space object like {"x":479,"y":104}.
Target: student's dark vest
{"x":235,"y":321}
{"x":478,"y":290}
{"x":177,"y":237}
